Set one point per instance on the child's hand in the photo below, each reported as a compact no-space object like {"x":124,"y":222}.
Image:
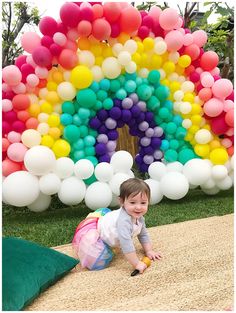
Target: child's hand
{"x":141,"y":266}
{"x":152,"y":255}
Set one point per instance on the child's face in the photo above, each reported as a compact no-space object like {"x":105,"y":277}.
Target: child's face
{"x":136,"y":206}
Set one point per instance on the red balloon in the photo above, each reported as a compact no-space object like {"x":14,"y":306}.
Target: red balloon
{"x":111,"y":11}
{"x":6,"y":128}
{"x":130,"y":20}
{"x":86,"y":14}
{"x":115,"y":30}
{"x":48,"y":26}
{"x":18,"y":126}
{"x":55,"y":49}
{"x":229,"y":118}
{"x":101,"y":29}
{"x":193,"y":51}
{"x":218,"y":125}
{"x":9,"y":167}
{"x":68,"y":59}
{"x":21,"y":102}
{"x":209,"y":60}
{"x":10,"y":116}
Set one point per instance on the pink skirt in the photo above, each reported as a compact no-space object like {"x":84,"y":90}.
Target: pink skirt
{"x":92,"y":252}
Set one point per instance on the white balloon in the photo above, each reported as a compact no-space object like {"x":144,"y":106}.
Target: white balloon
{"x":39,"y":160}
{"x":156,"y":194}
{"x":211,"y":191}
{"x":98,"y":195}
{"x":103,"y":172}
{"x":219,"y":172}
{"x":174,"y":167}
{"x":209,"y":184}
{"x":116,"y":181}
{"x":232,"y":162}
{"x":83,"y":169}
{"x":157,"y":170}
{"x":49,"y":184}
{"x":115,"y":201}
{"x":197,"y":171}
{"x":64,"y":167}
{"x":174,"y":185}
{"x":41,"y":204}
{"x":72,"y":191}
{"x":131,"y":174}
{"x":20,"y":188}
{"x":121,"y":161}
{"x":225,"y":183}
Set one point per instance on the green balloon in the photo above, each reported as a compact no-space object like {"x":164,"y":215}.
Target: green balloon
{"x":83,"y":113}
{"x":78,"y":145}
{"x":83,"y":131}
{"x":93,"y":159}
{"x":130,"y":86}
{"x":121,"y":94}
{"x":107,"y":104}
{"x":90,"y":180}
{"x":68,"y":107}
{"x":185,"y":155}
{"x":171,"y":155}
{"x":93,"y":132}
{"x":98,"y":105}
{"x":180,"y":133}
{"x":115,"y":85}
{"x":171,"y":128}
{"x":77,"y":120}
{"x":71,"y":133}
{"x":89,"y":141}
{"x":162,"y":93}
{"x":164,"y":113}
{"x":154,"y":76}
{"x":86,"y":98}
{"x":153,"y":103}
{"x":78,"y":155}
{"x":89,"y":151}
{"x":174,"y":144}
{"x":144,"y":92}
{"x":101,"y":95}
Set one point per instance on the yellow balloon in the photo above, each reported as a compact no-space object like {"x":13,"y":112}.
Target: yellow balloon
{"x":81,"y":77}
{"x":57,"y":77}
{"x":184,"y":61}
{"x":140,"y":47}
{"x":219,"y":156}
{"x":53,"y":120}
{"x":196,"y":109}
{"x":196,"y":119}
{"x":214,"y":144}
{"x":54,"y":132}
{"x":174,"y":86}
{"x":47,"y":141}
{"x":202,"y":150}
{"x":99,"y":60}
{"x":84,"y":43}
{"x":148,"y":44}
{"x":193,"y":129}
{"x":51,"y":86}
{"x":123,"y":37}
{"x":61,"y":148}
{"x":96,"y":49}
{"x":46,"y":107}
{"x":136,"y":57}
{"x":188,"y":96}
{"x":52,"y":97}
{"x":34,"y":110}
{"x":169,"y":67}
{"x":156,"y":61}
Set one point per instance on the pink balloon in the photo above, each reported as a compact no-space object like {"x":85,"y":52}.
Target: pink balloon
{"x":155,"y":12}
{"x":209,"y":60}
{"x":222,"y":88}
{"x":18,"y":126}
{"x":19,"y":89}
{"x":229,"y":118}
{"x":20,"y":60}
{"x":11,"y":75}
{"x":30,"y":41}
{"x":14,"y":137}
{"x":111,"y":11}
{"x":70,"y":14}
{"x":97,"y":11}
{"x":26,"y":69}
{"x":55,"y":50}
{"x":46,"y":41}
{"x":48,"y":26}
{"x":226,"y":142}
{"x":130,"y":19}
{"x":168,"y":18}
{"x":84,"y":28}
{"x":86,"y":13}
{"x":6,"y":105}
{"x":5,"y":128}
{"x":73,"y":34}
{"x":32,"y":80}
{"x":101,"y":29}
{"x":9,"y":167}
{"x":143,"y":32}
{"x":174,"y":40}
{"x":16,"y":152}
{"x":207,"y":80}
{"x":228,"y":104}
{"x":199,"y":38}
{"x":147,"y":21}
{"x":213,"y":107}
{"x":10,"y":116}
{"x":42,"y":56}
{"x":115,"y":30}
{"x":219,"y":126}
{"x":188,"y":39}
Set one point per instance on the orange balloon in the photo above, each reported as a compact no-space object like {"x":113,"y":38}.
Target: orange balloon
{"x":23,"y":115}
{"x":68,"y":59}
{"x":32,"y":123}
{"x":230,"y":150}
{"x":205,"y":94}
{"x":21,"y":102}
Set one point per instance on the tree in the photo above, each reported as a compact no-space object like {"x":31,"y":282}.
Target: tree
{"x":14,"y":16}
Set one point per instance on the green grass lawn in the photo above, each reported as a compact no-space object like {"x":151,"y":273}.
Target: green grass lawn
{"x":56,"y":225}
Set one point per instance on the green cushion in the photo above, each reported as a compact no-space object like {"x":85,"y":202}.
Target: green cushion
{"x":28,"y":269}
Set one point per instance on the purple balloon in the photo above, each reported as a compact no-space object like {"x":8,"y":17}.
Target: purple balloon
{"x":142,"y":105}
{"x":102,"y":138}
{"x":145,"y":141}
{"x":104,"y":158}
{"x":112,"y":134}
{"x":133,"y":132}
{"x":126,"y":115}
{"x":115,"y":113}
{"x":102,"y":115}
{"x":149,"y":116}
{"x":152,"y":124}
{"x":102,"y":129}
{"x":111,"y":153}
{"x":135,"y":110}
{"x":149,"y":132}
{"x":148,"y":150}
{"x":140,"y":118}
{"x":143,"y":126}
{"x":101,"y":149}
{"x":117,"y":102}
{"x":127,"y":103}
{"x":95,"y":123}
{"x":120,"y":123}
{"x":111,"y":146}
{"x":144,"y":167}
{"x":155,"y":142}
{"x":110,"y":123}
{"x":158,"y":131}
{"x":158,"y":154}
{"x":138,"y":159}
{"x":148,"y":159}
{"x":132,"y":122}
{"x":134,"y":97}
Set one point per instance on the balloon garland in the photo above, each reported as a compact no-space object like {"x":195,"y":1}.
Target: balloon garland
{"x":103,"y":66}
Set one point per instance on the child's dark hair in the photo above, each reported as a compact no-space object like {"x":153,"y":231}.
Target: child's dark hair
{"x":134,"y":186}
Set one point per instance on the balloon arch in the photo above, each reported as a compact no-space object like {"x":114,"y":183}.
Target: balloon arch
{"x":96,"y":69}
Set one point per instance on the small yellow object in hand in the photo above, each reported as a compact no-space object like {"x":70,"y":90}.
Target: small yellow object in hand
{"x":145,"y":260}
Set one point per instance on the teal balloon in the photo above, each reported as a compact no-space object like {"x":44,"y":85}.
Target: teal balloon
{"x":71,"y":133}
{"x":86,"y":98}
{"x":89,"y":151}
{"x":101,"y":95}
{"x":130,"y":86}
{"x":93,"y":113}
{"x":92,"y":132}
{"x":164,"y":113}
{"x":83,"y":113}
{"x":168,"y":104}
{"x":162,"y":93}
{"x":98,"y":105}
{"x":163,"y":125}
{"x":66,"y":119}
{"x":177,"y":119}
{"x":77,"y":120}
{"x":93,"y":159}
{"x":154,"y":76}
{"x":94,"y":86}
{"x":83,"y":131}
{"x":144,"y":92}
{"x":158,"y":120}
{"x":105,"y":84}
{"x":180,"y":133}
{"x":89,"y":140}
{"x":164,"y":145}
{"x":174,"y":144}
{"x":170,"y":155}
{"x":171,"y":128}
{"x":68,"y":107}
{"x":153,"y":103}
{"x":78,"y":145}
{"x":90,"y":180}
{"x":115,"y":85}
{"x":121,"y":79}
{"x":107,"y":104}
{"x":130,"y":76}
{"x":139,"y":81}
{"x":78,"y":155}
{"x":121,"y":94}
{"x":185,"y":155}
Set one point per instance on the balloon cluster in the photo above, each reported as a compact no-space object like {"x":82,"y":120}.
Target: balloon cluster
{"x":101,"y":66}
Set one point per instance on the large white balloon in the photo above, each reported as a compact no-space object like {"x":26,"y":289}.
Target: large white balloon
{"x":225,"y":183}
{"x":157,"y":170}
{"x":174,"y":185}
{"x":83,"y":169}
{"x":115,"y":201}
{"x":41,"y":204}
{"x":103,"y":172}
{"x":39,"y":160}
{"x":49,"y":184}
{"x":219,"y":172}
{"x":98,"y":195}
{"x":211,"y":191}
{"x":20,"y":188}
{"x":72,"y":191}
{"x":197,"y":171}
{"x":122,"y":161}
{"x":156,"y":194}
{"x":64,"y":167}
{"x":116,"y":181}
{"x":174,"y":167}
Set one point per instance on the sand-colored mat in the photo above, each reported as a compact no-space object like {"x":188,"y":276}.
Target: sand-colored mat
{"x":196,"y":273}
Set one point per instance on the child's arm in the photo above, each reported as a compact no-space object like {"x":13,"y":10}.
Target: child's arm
{"x":152,"y":255}
{"x":135,"y":262}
